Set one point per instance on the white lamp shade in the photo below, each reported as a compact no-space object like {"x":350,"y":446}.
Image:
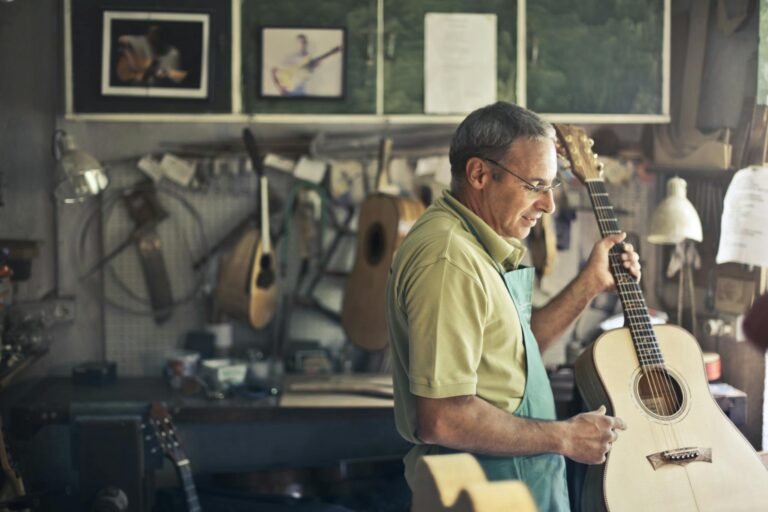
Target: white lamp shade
{"x":675,"y":219}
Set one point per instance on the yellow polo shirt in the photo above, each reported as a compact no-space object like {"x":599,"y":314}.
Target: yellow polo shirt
{"x":453,"y":328}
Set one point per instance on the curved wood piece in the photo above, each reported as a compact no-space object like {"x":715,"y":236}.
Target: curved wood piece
{"x":457,"y":483}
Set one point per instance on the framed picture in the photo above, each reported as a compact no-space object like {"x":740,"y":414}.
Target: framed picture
{"x":302,"y":62}
{"x":155,"y":54}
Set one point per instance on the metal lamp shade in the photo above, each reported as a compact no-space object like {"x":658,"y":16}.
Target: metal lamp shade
{"x":79,"y":175}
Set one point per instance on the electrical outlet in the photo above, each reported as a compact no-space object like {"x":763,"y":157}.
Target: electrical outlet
{"x":53,"y":311}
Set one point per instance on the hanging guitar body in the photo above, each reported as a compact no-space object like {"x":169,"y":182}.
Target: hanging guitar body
{"x":237,"y":292}
{"x":384,"y":222}
{"x":678,"y":454}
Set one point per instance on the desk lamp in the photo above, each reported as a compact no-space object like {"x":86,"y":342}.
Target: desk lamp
{"x":675,"y":221}
{"x":78,"y":174}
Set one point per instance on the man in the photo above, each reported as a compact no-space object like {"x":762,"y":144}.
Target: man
{"x":467,"y":368}
{"x":295,"y":70}
{"x":148,"y":59}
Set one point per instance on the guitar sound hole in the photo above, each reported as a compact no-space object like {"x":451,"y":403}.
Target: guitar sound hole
{"x":375,"y":243}
{"x":659,"y":393}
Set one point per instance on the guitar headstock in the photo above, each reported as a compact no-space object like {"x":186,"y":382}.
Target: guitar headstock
{"x":252,"y":148}
{"x":168,"y":440}
{"x":576,"y":146}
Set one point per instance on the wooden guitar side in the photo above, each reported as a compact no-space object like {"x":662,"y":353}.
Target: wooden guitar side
{"x":734,"y":481}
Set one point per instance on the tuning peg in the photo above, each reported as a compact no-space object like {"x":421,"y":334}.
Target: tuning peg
{"x":591,"y":142}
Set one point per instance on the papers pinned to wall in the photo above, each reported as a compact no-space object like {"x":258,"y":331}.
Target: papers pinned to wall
{"x":744,"y":230}
{"x":310,"y":170}
{"x":459,"y":62}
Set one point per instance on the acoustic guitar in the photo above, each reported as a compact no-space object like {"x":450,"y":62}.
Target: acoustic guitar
{"x":289,"y":78}
{"x":457,"y":483}
{"x":383,"y":223}
{"x":247,"y":285}
{"x":680,"y":452}
{"x":168,"y":440}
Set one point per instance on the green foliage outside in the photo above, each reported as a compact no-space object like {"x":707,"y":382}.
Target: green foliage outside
{"x":590,"y":56}
{"x":596,"y":56}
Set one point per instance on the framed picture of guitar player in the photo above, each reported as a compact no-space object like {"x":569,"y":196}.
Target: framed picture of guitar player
{"x":155,"y":54}
{"x":302,"y":62}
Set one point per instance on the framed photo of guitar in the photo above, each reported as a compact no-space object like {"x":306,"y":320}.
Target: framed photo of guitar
{"x":148,"y":53}
{"x":302,"y":62}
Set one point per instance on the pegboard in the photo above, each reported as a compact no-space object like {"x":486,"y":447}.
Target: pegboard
{"x":132,"y":338}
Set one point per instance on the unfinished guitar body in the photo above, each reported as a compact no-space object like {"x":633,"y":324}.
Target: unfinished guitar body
{"x":457,"y":483}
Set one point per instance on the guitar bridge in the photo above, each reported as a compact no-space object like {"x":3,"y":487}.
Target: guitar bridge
{"x":680,"y":456}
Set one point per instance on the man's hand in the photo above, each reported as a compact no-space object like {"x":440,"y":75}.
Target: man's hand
{"x":597,"y":270}
{"x":589,"y":436}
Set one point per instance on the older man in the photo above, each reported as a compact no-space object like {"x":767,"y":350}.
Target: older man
{"x":465,"y":342}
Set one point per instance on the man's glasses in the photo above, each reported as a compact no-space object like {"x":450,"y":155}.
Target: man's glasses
{"x":530,"y":187}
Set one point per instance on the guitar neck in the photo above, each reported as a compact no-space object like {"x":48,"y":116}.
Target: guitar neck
{"x":184,"y":471}
{"x":322,"y":56}
{"x":630,"y":293}
{"x":266,"y":243}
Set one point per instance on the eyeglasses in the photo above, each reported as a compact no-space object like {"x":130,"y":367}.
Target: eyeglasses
{"x":530,"y":187}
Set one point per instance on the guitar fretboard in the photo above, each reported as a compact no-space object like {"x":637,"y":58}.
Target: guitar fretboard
{"x":185,"y":474}
{"x":630,"y":293}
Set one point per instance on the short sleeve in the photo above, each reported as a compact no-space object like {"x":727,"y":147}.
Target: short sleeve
{"x":446,"y":309}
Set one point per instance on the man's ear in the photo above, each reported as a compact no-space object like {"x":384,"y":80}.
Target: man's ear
{"x":477,"y":173}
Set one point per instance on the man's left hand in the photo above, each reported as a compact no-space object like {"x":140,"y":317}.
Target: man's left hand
{"x":598,"y":270}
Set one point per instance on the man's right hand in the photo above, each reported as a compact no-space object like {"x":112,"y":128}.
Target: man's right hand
{"x":589,"y":436}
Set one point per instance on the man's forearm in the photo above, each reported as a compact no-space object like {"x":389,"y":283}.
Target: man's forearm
{"x":550,"y":322}
{"x":471,"y":424}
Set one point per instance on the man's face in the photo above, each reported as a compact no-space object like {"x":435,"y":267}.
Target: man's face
{"x":513,"y":208}
{"x":302,"y":44}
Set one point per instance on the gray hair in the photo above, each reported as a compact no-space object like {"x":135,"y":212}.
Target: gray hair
{"x":489,"y":131}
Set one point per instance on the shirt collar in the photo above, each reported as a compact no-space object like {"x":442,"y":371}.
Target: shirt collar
{"x":506,"y":251}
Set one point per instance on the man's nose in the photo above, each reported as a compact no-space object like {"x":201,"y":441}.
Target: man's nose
{"x":546,"y":202}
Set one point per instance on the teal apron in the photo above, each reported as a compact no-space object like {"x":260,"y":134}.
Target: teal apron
{"x":544,"y":473}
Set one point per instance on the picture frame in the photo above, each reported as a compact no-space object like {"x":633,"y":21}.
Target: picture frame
{"x":302,"y":62}
{"x":155,"y":54}
{"x":218,"y":91}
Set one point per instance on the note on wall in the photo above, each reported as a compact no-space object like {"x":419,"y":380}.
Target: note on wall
{"x":743,"y":231}
{"x":459,"y":62}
